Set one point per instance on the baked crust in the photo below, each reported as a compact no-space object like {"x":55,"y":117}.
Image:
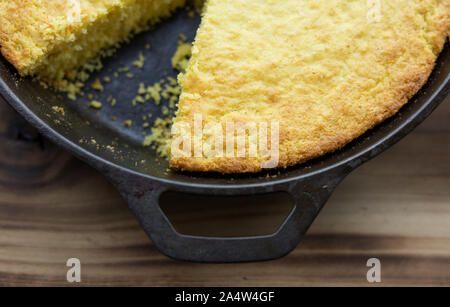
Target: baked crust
{"x":327,"y":80}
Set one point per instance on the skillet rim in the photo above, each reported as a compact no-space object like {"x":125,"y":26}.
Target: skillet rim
{"x":351,"y":162}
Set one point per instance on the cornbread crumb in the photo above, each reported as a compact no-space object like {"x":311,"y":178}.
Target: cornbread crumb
{"x":97,"y":85}
{"x":182,"y":37}
{"x":95,"y":104}
{"x":172,"y":81}
{"x":123,"y":69}
{"x":147,"y":141}
{"x":160,"y":137}
{"x":128,"y":123}
{"x":154,"y":92}
{"x":58,"y":109}
{"x":191,"y":14}
{"x":142,"y":90}
{"x":139,"y":99}
{"x":140,"y":62}
{"x":180,"y":60}
{"x":168,"y":89}
{"x":72,"y":96}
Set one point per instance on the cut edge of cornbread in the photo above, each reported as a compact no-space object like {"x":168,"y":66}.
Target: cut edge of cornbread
{"x":52,"y":48}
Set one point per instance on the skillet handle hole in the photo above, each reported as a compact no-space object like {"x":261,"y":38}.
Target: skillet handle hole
{"x":226,"y":216}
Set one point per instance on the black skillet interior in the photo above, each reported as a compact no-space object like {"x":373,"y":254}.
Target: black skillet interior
{"x":72,"y":131}
{"x":129,"y":151}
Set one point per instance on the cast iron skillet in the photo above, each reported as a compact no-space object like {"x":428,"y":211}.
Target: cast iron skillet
{"x":141,"y":177}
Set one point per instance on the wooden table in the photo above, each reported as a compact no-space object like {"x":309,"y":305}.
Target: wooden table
{"x":54,"y":207}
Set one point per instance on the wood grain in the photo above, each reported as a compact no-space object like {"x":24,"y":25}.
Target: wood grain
{"x":54,"y":207}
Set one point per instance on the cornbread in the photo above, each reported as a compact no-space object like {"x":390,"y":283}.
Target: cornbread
{"x":326,"y":70}
{"x":50,"y":39}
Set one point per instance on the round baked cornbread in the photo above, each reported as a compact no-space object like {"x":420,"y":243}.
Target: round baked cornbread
{"x":327,"y":70}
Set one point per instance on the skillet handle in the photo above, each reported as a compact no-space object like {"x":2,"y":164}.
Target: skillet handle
{"x":143,"y":200}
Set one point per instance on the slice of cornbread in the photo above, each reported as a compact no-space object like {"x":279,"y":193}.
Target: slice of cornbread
{"x":326,"y":71}
{"x":51,"y":38}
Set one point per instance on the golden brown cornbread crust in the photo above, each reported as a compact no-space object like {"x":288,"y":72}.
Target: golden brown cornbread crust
{"x":348,"y":76}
